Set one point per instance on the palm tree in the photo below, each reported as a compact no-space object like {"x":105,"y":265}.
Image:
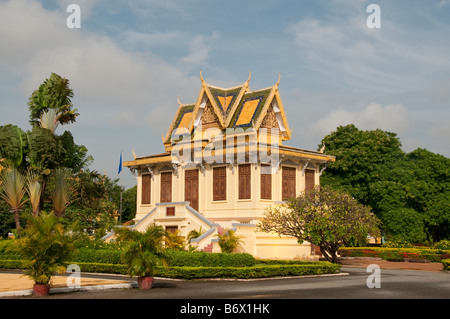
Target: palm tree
{"x":229,"y":241}
{"x":56,"y":94}
{"x":34,"y":188}
{"x":194,"y":234}
{"x":64,"y":192}
{"x":50,"y":120}
{"x":173,"y":240}
{"x":46,"y":247}
{"x":144,"y":252}
{"x":12,"y":190}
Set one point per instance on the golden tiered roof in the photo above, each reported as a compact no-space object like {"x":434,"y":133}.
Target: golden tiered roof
{"x":235,"y":107}
{"x":230,"y":108}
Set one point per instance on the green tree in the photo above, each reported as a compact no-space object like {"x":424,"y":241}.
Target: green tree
{"x":408,"y":192}
{"x":97,"y":207}
{"x":53,"y":94}
{"x":129,"y":204}
{"x":413,"y":200}
{"x":45,"y":246}
{"x":63,"y":192}
{"x":13,"y":145}
{"x":12,"y":190}
{"x":324,"y":217}
{"x":144,"y":251}
{"x":362,"y":157}
{"x":50,"y":105}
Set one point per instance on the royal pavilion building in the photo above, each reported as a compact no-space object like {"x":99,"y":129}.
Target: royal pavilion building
{"x":224,"y":164}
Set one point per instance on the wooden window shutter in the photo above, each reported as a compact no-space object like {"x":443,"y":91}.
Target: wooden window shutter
{"x":309,"y":180}
{"x":219,"y":183}
{"x":146,"y":189}
{"x":166,"y":187}
{"x":191,"y":188}
{"x":244,"y":181}
{"x":266,"y":182}
{"x":288,"y":182}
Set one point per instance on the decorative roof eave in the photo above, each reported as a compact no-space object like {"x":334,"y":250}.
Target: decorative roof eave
{"x":299,"y":153}
{"x":167,"y":137}
{"x":206,"y":89}
{"x":274,"y":94}
{"x":288,"y":131}
{"x":148,"y":160}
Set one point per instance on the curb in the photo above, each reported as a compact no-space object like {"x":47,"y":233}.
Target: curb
{"x":21,"y":293}
{"x":29,"y":292}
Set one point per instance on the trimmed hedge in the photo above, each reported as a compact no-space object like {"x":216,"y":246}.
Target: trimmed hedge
{"x":203,"y":259}
{"x":446,"y":263}
{"x":89,"y":255}
{"x":113,"y":256}
{"x":433,"y":255}
{"x":257,"y":271}
{"x":183,"y":265}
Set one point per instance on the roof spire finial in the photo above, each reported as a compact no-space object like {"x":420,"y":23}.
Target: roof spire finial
{"x":249,"y":75}
{"x":201,"y":77}
{"x":179,"y":102}
{"x":279,"y":78}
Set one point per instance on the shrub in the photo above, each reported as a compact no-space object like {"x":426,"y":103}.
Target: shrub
{"x":433,"y":255}
{"x":100,"y":267}
{"x":442,"y":245}
{"x":258,"y":271}
{"x":45,"y":247}
{"x":8,"y":249}
{"x":105,"y":256}
{"x":229,"y":241}
{"x":398,"y":244}
{"x":12,"y":264}
{"x":203,"y":259}
{"x":446,"y":263}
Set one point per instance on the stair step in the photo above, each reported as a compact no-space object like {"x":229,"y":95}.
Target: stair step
{"x":208,"y":248}
{"x":220,"y":230}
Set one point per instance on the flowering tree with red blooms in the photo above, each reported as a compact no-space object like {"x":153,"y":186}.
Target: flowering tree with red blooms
{"x":324,"y":217}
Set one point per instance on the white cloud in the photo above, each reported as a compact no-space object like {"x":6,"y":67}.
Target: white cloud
{"x":106,"y":78}
{"x":86,"y":6}
{"x":392,"y":118}
{"x":396,"y":57}
{"x":199,"y":50}
{"x":113,"y":87}
{"x":443,"y":3}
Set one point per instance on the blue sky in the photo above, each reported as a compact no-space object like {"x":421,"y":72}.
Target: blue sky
{"x":130,"y":60}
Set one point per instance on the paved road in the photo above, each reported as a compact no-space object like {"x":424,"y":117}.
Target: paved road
{"x":275,"y":298}
{"x":398,"y":284}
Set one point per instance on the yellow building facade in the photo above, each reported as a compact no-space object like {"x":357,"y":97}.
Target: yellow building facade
{"x":224,"y":164}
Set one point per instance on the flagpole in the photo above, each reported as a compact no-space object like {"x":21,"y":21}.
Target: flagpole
{"x":120,"y":203}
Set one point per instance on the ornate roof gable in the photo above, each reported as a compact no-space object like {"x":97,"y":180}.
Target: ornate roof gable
{"x":235,"y":107}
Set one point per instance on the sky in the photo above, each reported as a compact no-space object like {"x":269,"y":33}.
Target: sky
{"x":130,"y":61}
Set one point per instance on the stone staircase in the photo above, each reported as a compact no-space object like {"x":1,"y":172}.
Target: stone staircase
{"x":209,"y":248}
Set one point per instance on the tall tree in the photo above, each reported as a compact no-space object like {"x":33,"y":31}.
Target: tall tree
{"x":324,"y":217}
{"x":12,"y":190}
{"x":49,"y":106}
{"x":13,"y":145}
{"x":409,"y":192}
{"x":362,"y":157}
{"x":55,"y":94}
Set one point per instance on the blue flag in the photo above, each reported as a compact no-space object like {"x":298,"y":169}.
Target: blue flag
{"x":120,"y":164}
